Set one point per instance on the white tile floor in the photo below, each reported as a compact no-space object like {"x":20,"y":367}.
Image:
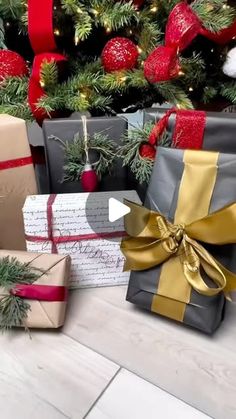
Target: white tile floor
{"x":109,"y":361}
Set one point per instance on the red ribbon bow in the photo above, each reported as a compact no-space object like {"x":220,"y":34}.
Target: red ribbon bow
{"x":188,"y":132}
{"x":40,"y":27}
{"x":182,"y":27}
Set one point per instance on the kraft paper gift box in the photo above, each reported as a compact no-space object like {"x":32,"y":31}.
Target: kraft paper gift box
{"x":185,"y":186}
{"x":47,"y":296}
{"x":218,"y":129}
{"x":78,"y":225}
{"x":65,"y":130}
{"x":17,"y":180}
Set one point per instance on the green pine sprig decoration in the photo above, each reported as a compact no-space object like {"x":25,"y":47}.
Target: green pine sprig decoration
{"x":13,"y":309}
{"x":129,"y":151}
{"x":75,"y":157}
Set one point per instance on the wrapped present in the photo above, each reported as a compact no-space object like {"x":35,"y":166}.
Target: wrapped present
{"x":186,"y":129}
{"x":78,"y":225}
{"x":33,"y":289}
{"x":182,"y":249}
{"x":66,"y":153}
{"x":17,"y":180}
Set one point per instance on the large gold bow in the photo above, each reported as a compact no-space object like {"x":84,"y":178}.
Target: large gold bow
{"x":154,"y":240}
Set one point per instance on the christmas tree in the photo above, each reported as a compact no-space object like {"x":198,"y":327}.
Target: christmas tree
{"x":106,"y":56}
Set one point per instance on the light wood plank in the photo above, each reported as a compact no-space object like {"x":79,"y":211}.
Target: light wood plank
{"x":50,"y":376}
{"x":129,"y":396}
{"x":199,"y":369}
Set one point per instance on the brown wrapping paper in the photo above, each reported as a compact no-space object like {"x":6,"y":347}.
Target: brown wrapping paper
{"x":45,"y":314}
{"x":15,"y":183}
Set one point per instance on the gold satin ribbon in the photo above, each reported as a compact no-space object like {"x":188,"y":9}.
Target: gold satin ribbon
{"x":175,"y":245}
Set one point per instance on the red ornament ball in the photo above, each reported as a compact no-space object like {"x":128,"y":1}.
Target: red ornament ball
{"x":119,"y":54}
{"x":147,"y":151}
{"x":12,"y":64}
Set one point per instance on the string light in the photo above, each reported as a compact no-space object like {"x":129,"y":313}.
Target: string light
{"x":95,"y":12}
{"x":139,"y":50}
{"x":56,"y":32}
{"x":123,"y":79}
{"x":76,"y":40}
{"x":83,"y":95}
{"x":42,"y":84}
{"x":130,"y":32}
{"x":181,"y":73}
{"x":108,"y":30}
{"x":212,"y":49}
{"x":79,"y":11}
{"x":191,"y":89}
{"x":154,"y":9}
{"x":8,"y":24}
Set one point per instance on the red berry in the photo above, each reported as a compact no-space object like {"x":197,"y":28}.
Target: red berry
{"x":12,"y":64}
{"x":147,"y":151}
{"x":119,"y":54}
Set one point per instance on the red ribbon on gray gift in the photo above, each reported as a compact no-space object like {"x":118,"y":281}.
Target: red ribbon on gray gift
{"x":188,"y":132}
{"x":55,"y":240}
{"x":42,"y":39}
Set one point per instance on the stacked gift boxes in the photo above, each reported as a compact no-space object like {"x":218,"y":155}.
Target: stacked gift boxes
{"x":182,"y":266}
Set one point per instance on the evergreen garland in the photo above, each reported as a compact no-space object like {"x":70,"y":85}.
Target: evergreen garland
{"x":75,"y":157}
{"x":130,"y":151}
{"x":13,"y":309}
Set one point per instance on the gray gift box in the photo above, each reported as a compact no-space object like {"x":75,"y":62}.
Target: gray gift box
{"x":65,"y":129}
{"x":220,"y":130}
{"x":202,"y":312}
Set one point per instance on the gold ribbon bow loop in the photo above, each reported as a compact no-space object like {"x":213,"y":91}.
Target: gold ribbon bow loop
{"x":161,"y":240}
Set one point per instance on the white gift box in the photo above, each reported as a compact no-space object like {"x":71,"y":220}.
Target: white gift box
{"x":77,"y":225}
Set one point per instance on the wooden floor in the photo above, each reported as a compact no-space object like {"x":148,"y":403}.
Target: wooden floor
{"x":111,"y":361}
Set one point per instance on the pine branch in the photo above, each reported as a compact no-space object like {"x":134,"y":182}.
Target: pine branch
{"x":12,"y":9}
{"x":83,"y":26}
{"x":2,"y":35}
{"x":228,"y":90}
{"x":71,"y":7}
{"x":172,"y":93}
{"x":209,"y":93}
{"x":13,"y":309}
{"x":129,"y":152}
{"x":193,"y":69}
{"x":149,"y":38}
{"x":13,"y":312}
{"x":49,"y":75}
{"x":13,"y":97}
{"x":213,"y":14}
{"x":115,"y":15}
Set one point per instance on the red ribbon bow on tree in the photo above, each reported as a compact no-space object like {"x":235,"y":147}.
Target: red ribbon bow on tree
{"x":182,"y":27}
{"x":41,"y":34}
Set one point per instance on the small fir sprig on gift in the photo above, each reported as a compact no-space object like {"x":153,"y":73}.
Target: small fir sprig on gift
{"x":138,"y":154}
{"x":75,"y":155}
{"x":14,"y":309}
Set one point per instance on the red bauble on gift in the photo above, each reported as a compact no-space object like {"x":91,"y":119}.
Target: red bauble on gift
{"x":161,"y":65}
{"x":119,"y":54}
{"x":222,"y":37}
{"x":12,"y":65}
{"x":147,"y":151}
{"x":89,"y":179}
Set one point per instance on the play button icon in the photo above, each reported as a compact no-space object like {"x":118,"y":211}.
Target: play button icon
{"x":117,"y":210}
{"x":104,"y":213}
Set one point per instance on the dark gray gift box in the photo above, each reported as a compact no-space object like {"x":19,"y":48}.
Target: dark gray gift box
{"x":220,"y":130}
{"x":65,"y":129}
{"x":204,"y":313}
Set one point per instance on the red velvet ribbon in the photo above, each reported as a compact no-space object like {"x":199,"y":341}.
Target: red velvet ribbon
{"x":66,"y":239}
{"x":11,"y":164}
{"x":182,"y":27}
{"x":188,"y":132}
{"x":40,"y":292}
{"x":41,"y":35}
